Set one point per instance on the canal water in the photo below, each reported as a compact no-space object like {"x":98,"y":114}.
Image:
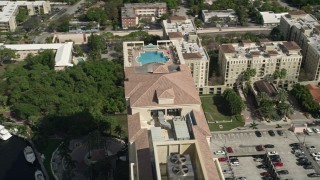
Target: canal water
{"x":13,"y":165}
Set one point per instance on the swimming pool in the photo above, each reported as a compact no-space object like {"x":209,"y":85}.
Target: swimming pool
{"x":152,"y":56}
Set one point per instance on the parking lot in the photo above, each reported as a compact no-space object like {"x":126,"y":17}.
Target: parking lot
{"x":243,"y":144}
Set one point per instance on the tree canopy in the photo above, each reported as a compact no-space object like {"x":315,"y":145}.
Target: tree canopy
{"x":305,"y":99}
{"x":234,"y":101}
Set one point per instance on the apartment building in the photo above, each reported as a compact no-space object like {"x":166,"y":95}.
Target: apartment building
{"x":9,"y":10}
{"x":270,"y":18}
{"x":167,"y":130}
{"x":195,"y":56}
{"x":304,"y":29}
{"x":265,"y":57}
{"x":131,"y":12}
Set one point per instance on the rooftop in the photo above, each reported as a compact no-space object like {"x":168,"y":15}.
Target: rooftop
{"x":220,"y":13}
{"x":270,"y":17}
{"x":129,"y":8}
{"x":260,"y":50}
{"x":266,"y":87}
{"x":9,"y":8}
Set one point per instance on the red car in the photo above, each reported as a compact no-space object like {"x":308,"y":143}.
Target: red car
{"x":260,"y":148}
{"x":279,"y":164}
{"x":229,"y":150}
{"x":266,"y":174}
{"x":223,"y":159}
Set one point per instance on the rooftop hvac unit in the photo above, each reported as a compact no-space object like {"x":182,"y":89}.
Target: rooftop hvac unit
{"x":180,"y":167}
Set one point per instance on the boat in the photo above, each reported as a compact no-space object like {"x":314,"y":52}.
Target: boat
{"x":29,"y":154}
{"x":4,"y":133}
{"x":38,"y":175}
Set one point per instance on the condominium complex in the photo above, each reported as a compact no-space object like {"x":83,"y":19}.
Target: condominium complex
{"x":168,"y":133}
{"x":131,"y":12}
{"x":195,"y":56}
{"x":304,"y":29}
{"x":9,"y":10}
{"x":265,"y":57}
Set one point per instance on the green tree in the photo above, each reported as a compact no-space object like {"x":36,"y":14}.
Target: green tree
{"x":118,"y":130}
{"x":6,"y":54}
{"x":284,"y":109}
{"x":93,"y":141}
{"x":233,"y":101}
{"x":282,"y":95}
{"x":307,"y":8}
{"x":22,"y":14}
{"x":248,"y":74}
{"x":267,"y":109}
{"x":97,"y":14}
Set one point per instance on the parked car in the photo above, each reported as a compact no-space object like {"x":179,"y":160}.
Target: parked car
{"x":272,"y":153}
{"x":316,"y":130}
{"x":266,"y":174}
{"x":317,"y":158}
{"x":283,"y":172}
{"x":315,"y":154}
{"x":314,"y":175}
{"x":268,"y":178}
{"x":229,"y":150}
{"x":259,"y":148}
{"x":241,"y":178}
{"x":227,"y":171}
{"x":219,"y":153}
{"x":146,"y":27}
{"x":294,"y":144}
{"x":308,"y":166}
{"x":305,"y":163}
{"x":312,"y":148}
{"x":269,"y":146}
{"x":234,"y":163}
{"x":278,"y":164}
{"x":258,"y":159}
{"x":258,"y":133}
{"x":223,"y":159}
{"x":280,"y":132}
{"x":262,"y":166}
{"x":301,"y":156}
{"x":271,"y":133}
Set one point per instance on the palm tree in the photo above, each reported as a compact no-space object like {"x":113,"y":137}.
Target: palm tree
{"x":282,"y":95}
{"x":263,"y":97}
{"x":118,"y":130}
{"x":253,"y":125}
{"x":267,"y":109}
{"x":284,"y":109}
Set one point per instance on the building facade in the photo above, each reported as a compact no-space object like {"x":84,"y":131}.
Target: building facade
{"x":131,"y":12}
{"x":195,"y":56}
{"x":222,"y":15}
{"x":304,"y":29}
{"x":9,"y":10}
{"x":264,"y":57}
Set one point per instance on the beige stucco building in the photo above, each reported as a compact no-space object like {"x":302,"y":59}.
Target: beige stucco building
{"x":304,"y":29}
{"x":165,"y":118}
{"x":265,"y":57}
{"x":9,"y":10}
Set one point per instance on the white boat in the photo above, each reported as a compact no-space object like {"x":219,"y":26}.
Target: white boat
{"x":38,"y":175}
{"x":4,"y":134}
{"x":29,"y":154}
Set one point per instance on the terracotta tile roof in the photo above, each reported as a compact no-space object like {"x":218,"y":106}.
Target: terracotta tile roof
{"x":168,"y":93}
{"x":191,"y":55}
{"x":175,"y":35}
{"x":291,"y":45}
{"x":272,"y":53}
{"x":206,"y":154}
{"x":297,"y":12}
{"x":227,"y":48}
{"x":255,"y":53}
{"x":178,"y":18}
{"x":141,"y":87}
{"x":201,"y":121}
{"x":315,"y":92}
{"x":133,"y":125}
{"x":264,"y":86}
{"x":143,"y":155}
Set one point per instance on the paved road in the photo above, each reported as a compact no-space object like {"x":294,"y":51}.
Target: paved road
{"x":283,"y":3}
{"x":233,"y":29}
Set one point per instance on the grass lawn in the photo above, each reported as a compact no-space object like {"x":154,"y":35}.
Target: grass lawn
{"x":52,"y":144}
{"x":215,"y":109}
{"x":122,"y":121}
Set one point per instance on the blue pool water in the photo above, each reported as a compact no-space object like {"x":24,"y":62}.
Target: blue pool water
{"x":152,"y":56}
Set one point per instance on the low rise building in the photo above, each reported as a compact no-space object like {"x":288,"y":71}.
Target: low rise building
{"x":63,"y":57}
{"x":9,"y":10}
{"x":304,"y":29}
{"x":131,"y":12}
{"x":270,"y":18}
{"x":167,"y":130}
{"x":221,"y":15}
{"x":189,"y":44}
{"x":264,"y":57}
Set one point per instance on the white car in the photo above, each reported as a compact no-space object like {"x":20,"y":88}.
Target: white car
{"x":315,"y":154}
{"x":316,"y":130}
{"x":317,"y":158}
{"x":312,"y":148}
{"x":272,"y":153}
{"x":219,"y":153}
{"x":234,"y":163}
{"x":146,"y":27}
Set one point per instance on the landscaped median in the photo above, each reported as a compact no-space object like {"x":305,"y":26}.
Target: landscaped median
{"x":217,"y":116}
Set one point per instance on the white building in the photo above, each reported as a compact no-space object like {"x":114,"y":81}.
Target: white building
{"x":264,"y":57}
{"x":9,"y":10}
{"x":270,"y":18}
{"x":195,"y":56}
{"x":304,"y":29}
{"x":221,"y":14}
{"x":63,"y":51}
